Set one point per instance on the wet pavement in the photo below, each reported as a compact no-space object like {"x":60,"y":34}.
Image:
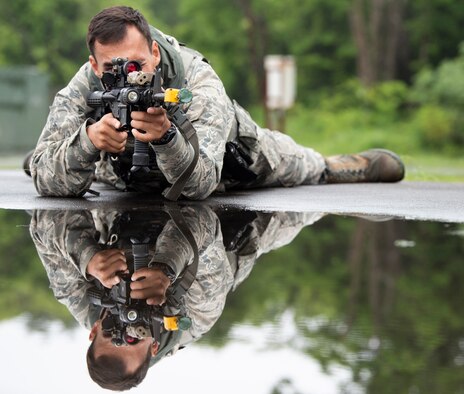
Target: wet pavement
{"x":410,"y":200}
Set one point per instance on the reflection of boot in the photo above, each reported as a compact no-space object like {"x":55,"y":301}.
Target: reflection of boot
{"x":374,"y":165}
{"x":27,"y":162}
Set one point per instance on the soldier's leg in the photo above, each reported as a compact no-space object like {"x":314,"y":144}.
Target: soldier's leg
{"x":283,"y":162}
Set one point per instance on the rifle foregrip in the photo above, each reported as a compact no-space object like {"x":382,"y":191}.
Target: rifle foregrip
{"x":95,"y":99}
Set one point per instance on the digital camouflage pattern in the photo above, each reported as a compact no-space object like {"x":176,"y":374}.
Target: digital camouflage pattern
{"x":67,"y":240}
{"x":65,"y":162}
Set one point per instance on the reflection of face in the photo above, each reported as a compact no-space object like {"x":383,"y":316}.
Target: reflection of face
{"x":132,"y":356}
{"x":134,"y":46}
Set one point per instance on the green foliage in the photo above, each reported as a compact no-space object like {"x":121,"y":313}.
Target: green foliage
{"x":383,"y":99}
{"x":439,"y":129}
{"x":334,"y":112}
{"x":51,"y":34}
{"x":225,"y":33}
{"x":353,"y":117}
{"x":443,"y":85}
{"x":218,"y":31}
{"x":316,"y":37}
{"x":440,"y":94}
{"x":48,"y":34}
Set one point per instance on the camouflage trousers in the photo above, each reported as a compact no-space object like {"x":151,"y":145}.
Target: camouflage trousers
{"x":279,"y":161}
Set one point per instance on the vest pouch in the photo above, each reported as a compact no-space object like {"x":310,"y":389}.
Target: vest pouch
{"x":265,"y":159}
{"x":237,"y":164}
{"x":242,"y":152}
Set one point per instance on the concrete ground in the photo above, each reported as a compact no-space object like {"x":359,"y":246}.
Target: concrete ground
{"x":409,"y":200}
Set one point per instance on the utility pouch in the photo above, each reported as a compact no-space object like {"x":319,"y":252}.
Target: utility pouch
{"x":237,"y":164}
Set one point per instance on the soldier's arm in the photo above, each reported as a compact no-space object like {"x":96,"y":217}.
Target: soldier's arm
{"x":172,"y":247}
{"x":64,"y":160}
{"x":206,"y":297}
{"x":63,"y":240}
{"x":211,"y":113}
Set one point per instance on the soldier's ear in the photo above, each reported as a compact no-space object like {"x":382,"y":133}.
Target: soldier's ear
{"x":93,"y":331}
{"x":156,"y":52}
{"x":154,"y":348}
{"x":94,"y":64}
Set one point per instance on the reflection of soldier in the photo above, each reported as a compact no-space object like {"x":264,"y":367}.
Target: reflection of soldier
{"x":78,"y":247}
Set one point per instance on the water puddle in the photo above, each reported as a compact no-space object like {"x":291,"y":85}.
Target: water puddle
{"x":262,"y":302}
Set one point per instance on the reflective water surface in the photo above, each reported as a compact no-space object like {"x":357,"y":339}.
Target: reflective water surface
{"x":260,"y":302}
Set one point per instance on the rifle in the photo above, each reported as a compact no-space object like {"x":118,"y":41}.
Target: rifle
{"x":127,"y":89}
{"x":128,"y":320}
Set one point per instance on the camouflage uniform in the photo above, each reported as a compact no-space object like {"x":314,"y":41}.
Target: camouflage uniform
{"x":65,"y":162}
{"x":67,"y":240}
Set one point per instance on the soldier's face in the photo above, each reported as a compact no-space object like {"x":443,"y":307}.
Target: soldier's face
{"x":133,"y":47}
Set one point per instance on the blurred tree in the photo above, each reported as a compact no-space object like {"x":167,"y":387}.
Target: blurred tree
{"x":395,"y":38}
{"x":218,"y":30}
{"x":45,"y":33}
{"x":49,"y":34}
{"x":317,"y":34}
{"x":236,"y":36}
{"x":257,"y":36}
{"x":435,"y":30}
{"x":387,"y":39}
{"x":378,"y":29}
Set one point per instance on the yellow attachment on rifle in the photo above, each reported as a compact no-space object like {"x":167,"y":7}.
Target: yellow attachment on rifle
{"x":170,"y":323}
{"x":175,"y":96}
{"x":171,"y":95}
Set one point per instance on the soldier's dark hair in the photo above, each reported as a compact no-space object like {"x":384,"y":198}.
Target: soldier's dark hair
{"x":109,"y":26}
{"x":110,"y":373}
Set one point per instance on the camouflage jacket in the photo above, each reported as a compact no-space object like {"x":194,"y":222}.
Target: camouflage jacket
{"x":67,"y":240}
{"x":65,"y":162}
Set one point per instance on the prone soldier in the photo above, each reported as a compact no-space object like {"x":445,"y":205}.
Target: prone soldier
{"x":74,"y":149}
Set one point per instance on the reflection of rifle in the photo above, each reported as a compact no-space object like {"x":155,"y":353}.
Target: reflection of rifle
{"x":128,"y":320}
{"x":128,"y":89}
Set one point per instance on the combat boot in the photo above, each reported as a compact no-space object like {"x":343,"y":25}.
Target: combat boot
{"x":374,"y":165}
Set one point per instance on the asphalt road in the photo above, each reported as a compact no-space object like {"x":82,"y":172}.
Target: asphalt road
{"x":410,"y":200}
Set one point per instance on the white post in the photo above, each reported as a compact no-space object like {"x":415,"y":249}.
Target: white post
{"x":280,"y":87}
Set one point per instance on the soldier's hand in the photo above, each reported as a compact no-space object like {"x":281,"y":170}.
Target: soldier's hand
{"x":104,"y":135}
{"x":106,"y":265}
{"x":150,"y":284}
{"x":150,"y":125}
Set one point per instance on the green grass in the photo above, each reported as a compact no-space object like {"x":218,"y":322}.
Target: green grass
{"x":11,"y":162}
{"x":434,"y":168}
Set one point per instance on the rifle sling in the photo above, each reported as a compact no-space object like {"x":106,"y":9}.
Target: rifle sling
{"x":184,"y":125}
{"x":185,"y":280}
